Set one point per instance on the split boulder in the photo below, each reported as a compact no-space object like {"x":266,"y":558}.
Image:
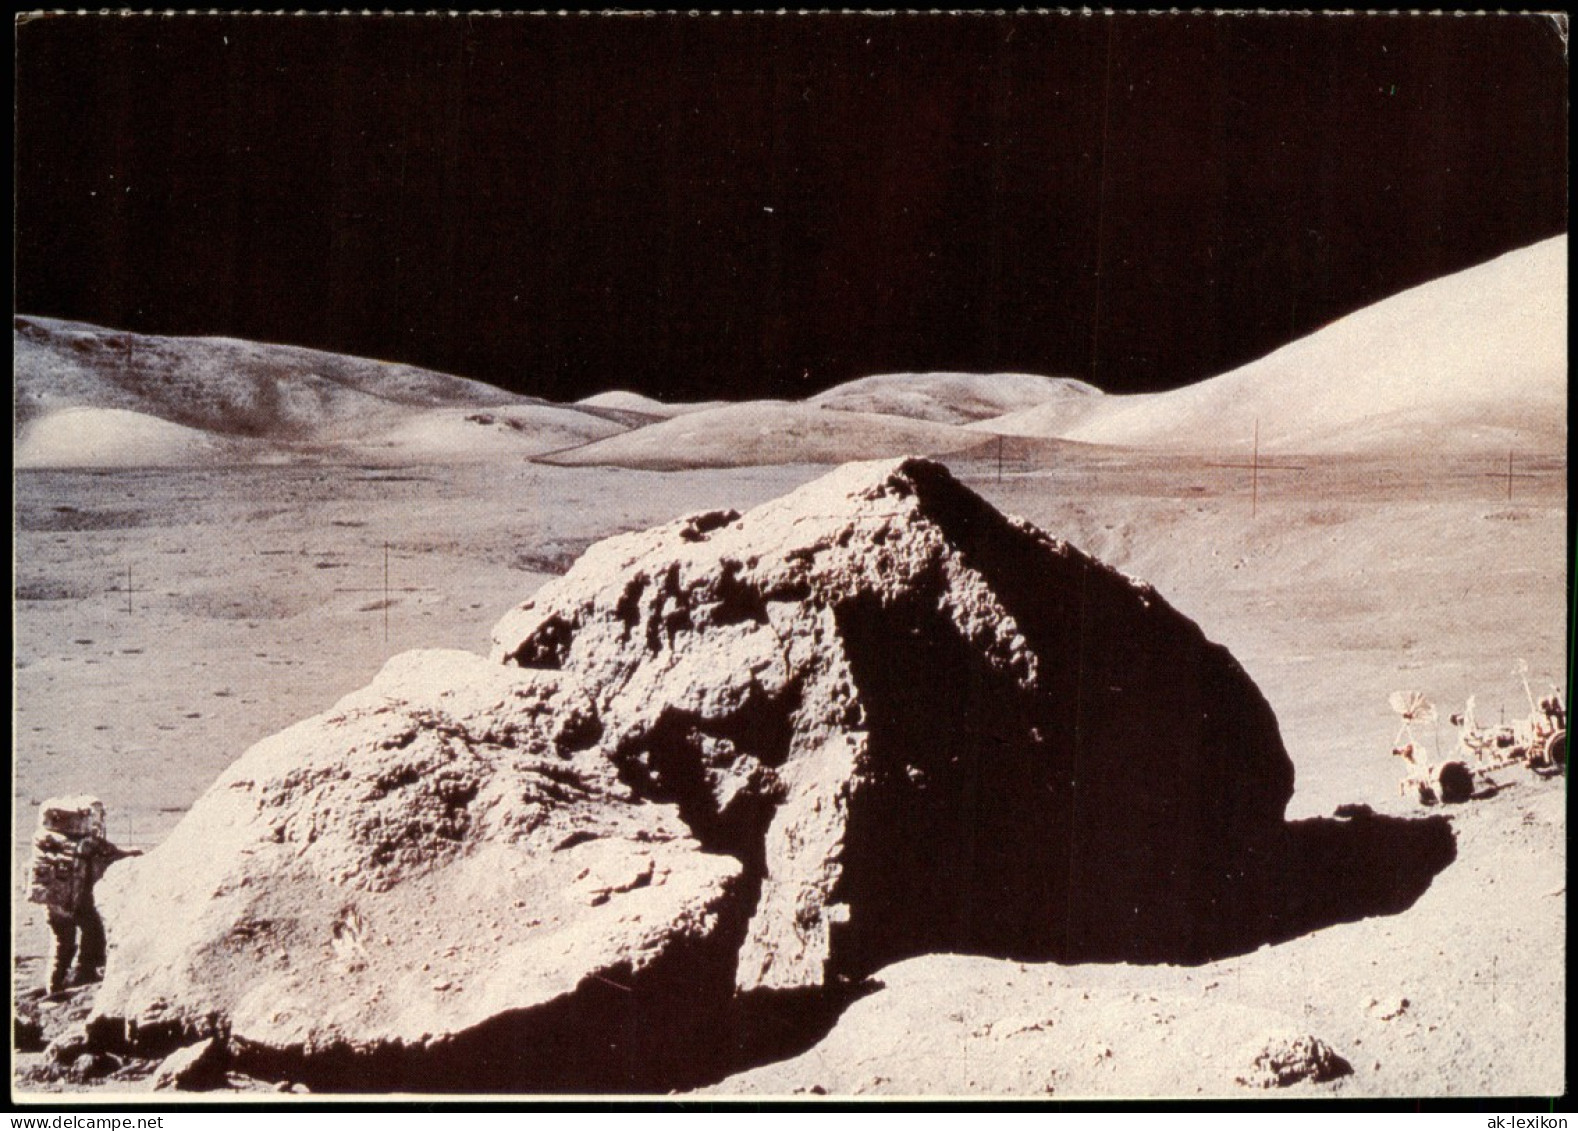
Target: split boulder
{"x":729,"y":755}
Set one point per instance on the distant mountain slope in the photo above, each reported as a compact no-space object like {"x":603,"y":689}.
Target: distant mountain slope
{"x":768,"y":432}
{"x":1045,"y":421}
{"x":89,"y":396}
{"x":953,"y":398}
{"x":221,"y":385}
{"x":1476,"y":360}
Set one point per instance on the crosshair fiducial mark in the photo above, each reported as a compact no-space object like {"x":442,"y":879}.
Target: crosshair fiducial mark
{"x":128,"y":588}
{"x":387,"y":590}
{"x":1255,"y":466}
{"x":1494,"y":980}
{"x":1509,"y":475}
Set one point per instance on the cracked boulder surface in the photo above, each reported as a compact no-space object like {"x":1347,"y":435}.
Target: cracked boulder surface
{"x":922,"y":726}
{"x":724,"y":759}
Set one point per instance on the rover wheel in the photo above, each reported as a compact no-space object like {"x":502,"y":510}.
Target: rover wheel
{"x":1455,"y":782}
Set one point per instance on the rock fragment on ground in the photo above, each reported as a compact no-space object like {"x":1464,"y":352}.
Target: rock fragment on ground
{"x":68,"y":1045}
{"x":1388,"y":1008}
{"x":195,"y":1068}
{"x":1291,"y":1058}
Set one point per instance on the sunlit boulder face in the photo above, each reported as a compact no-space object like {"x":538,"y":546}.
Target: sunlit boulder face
{"x":439,"y":883}
{"x":921,"y":725}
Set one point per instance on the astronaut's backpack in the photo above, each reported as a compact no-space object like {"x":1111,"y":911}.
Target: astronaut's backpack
{"x":61,"y":870}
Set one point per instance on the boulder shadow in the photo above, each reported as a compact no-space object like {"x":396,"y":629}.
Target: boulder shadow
{"x":1330,"y":871}
{"x":1144,"y":844}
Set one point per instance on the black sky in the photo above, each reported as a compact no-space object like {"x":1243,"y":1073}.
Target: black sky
{"x":765,"y":205}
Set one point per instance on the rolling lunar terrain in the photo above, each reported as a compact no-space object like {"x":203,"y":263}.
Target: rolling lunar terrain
{"x":215,"y":539}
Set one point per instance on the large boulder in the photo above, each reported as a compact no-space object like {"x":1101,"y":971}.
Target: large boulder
{"x":728,"y":759}
{"x":921,"y":726}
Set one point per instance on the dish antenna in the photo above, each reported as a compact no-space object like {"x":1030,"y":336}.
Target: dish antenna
{"x":1414,"y":708}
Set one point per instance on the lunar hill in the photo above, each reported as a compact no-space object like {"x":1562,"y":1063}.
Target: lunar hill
{"x":88,"y":436}
{"x":955,"y":398}
{"x":711,"y":780}
{"x":1475,"y":360}
{"x":174,"y":400}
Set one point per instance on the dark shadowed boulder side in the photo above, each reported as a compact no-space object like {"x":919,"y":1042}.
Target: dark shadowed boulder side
{"x":710,"y":780}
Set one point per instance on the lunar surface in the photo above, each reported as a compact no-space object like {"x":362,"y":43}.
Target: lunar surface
{"x":215,"y":540}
